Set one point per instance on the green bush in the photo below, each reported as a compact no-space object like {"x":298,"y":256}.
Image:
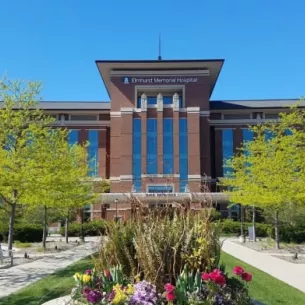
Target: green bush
{"x":289,"y":233}
{"x":228,"y":226}
{"x":24,"y":233}
{"x":92,"y":228}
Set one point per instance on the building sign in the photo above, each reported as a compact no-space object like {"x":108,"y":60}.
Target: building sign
{"x":160,"y":80}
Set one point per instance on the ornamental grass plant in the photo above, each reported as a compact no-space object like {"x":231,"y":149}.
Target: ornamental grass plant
{"x":157,"y":245}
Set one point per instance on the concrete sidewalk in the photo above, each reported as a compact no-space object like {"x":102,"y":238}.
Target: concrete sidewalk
{"x":292,"y":274}
{"x":15,"y":278}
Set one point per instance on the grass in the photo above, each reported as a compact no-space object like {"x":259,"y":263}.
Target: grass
{"x":265,"y":288}
{"x":53,"y":286}
{"x":21,"y":245}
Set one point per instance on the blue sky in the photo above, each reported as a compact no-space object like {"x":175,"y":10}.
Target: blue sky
{"x":58,"y":41}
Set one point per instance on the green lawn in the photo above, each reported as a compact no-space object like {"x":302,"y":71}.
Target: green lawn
{"x":51,"y":287}
{"x":265,"y":288}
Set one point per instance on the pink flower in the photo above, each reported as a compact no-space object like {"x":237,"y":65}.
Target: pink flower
{"x":246,"y":277}
{"x":169,"y":287}
{"x":88,"y":271}
{"x":205,"y":276}
{"x":217,"y":277}
{"x":238,"y":270}
{"x":170,"y":296}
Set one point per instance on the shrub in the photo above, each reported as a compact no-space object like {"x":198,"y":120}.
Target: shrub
{"x":92,"y":228}
{"x":289,"y":233}
{"x":24,"y":233}
{"x":158,"y":245}
{"x":21,"y":245}
{"x":228,"y":226}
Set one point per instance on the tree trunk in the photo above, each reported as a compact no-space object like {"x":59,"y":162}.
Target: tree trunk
{"x":11,"y":228}
{"x":241,"y":221}
{"x":45,"y":222}
{"x":253,"y":223}
{"x":66,"y":230}
{"x":276,"y":229}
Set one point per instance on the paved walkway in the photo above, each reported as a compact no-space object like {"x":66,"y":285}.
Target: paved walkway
{"x":15,"y":278}
{"x":292,"y":274}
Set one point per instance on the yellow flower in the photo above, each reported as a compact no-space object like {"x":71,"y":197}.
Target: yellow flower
{"x":129,"y":289}
{"x":86,"y":278}
{"x":77,"y":276}
{"x":119,"y":297}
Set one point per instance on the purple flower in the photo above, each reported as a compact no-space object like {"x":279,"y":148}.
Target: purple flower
{"x":144,"y":294}
{"x":94,"y":296}
{"x":88,"y":271}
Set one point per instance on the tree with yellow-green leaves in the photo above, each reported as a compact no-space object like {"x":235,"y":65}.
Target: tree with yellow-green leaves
{"x":269,"y":172}
{"x":37,"y":166}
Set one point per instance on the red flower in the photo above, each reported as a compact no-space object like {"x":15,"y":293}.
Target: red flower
{"x":205,"y":276}
{"x":169,"y":288}
{"x":246,"y":277}
{"x":217,"y":277}
{"x":88,"y":271}
{"x":238,"y":270}
{"x":170,"y":296}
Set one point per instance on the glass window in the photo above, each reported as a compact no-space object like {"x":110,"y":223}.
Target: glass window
{"x":183,"y":154}
{"x":247,"y":135}
{"x":151,"y":100}
{"x":168,"y":146}
{"x":152,"y":161}
{"x":160,"y":189}
{"x":73,"y":137}
{"x":167,"y":100}
{"x":227,"y":149}
{"x":83,"y":117}
{"x":93,"y":153}
{"x":136,"y":155}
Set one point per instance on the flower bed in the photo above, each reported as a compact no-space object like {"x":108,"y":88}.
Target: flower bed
{"x":190,"y":288}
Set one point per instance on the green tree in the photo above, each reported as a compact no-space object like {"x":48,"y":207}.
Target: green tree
{"x":269,"y":172}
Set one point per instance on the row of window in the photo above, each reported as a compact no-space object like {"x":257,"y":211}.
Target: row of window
{"x":79,"y":117}
{"x":73,"y":138}
{"x":247,"y":116}
{"x":152,"y":150}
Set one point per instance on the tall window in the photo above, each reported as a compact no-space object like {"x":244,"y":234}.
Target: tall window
{"x":73,"y":137}
{"x":227,"y":149}
{"x":183,"y":154}
{"x":93,"y":153}
{"x":247,"y":137}
{"x":152,"y":161}
{"x":136,"y":154}
{"x":168,"y":147}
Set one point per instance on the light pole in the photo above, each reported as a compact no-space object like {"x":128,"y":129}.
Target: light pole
{"x":116,"y":209}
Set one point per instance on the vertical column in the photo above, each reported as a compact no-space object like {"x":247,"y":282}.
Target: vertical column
{"x":176,"y":147}
{"x":126,"y":150}
{"x":218,"y":153}
{"x":115,"y":148}
{"x":102,"y":153}
{"x":144,"y":136}
{"x":194,"y":176}
{"x":82,"y":139}
{"x":205,"y":145}
{"x":238,"y":138}
{"x":160,"y":132}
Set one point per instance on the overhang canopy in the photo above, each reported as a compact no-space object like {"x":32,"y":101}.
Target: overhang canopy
{"x":106,"y":67}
